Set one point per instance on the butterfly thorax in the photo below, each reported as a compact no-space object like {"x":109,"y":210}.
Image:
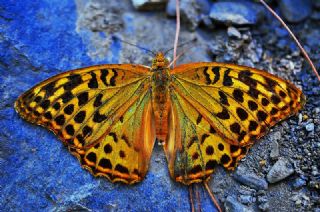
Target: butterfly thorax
{"x":160,"y":95}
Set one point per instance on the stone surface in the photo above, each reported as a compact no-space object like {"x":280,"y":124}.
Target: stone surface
{"x":239,"y":13}
{"x":250,"y":179}
{"x":280,"y":170}
{"x":232,"y":205}
{"x":295,"y":10}
{"x":149,"y":4}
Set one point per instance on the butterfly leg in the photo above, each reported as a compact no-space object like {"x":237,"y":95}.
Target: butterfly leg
{"x":191,"y":198}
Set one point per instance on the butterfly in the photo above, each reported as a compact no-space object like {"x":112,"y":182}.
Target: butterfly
{"x":204,"y":114}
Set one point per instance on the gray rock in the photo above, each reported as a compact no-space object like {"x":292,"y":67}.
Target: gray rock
{"x":298,"y":183}
{"x":233,"y":32}
{"x":264,"y":206}
{"x":280,"y":170}
{"x":246,"y":199}
{"x":274,"y":154}
{"x":249,"y":179}
{"x":310,"y":127}
{"x":239,"y":13}
{"x":232,"y":205}
{"x":149,"y":4}
{"x":295,"y":10}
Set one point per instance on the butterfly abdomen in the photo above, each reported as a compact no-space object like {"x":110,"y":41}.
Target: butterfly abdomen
{"x":161,"y":102}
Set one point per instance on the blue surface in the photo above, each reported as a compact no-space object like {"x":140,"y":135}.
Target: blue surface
{"x":38,"y":39}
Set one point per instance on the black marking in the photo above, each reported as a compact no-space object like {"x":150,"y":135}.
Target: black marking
{"x":235,"y":128}
{"x":253,"y":92}
{"x":122,"y":154}
{"x":49,"y":88}
{"x":69,"y":129}
{"x":93,"y":83}
{"x":270,"y":84}
{"x":69,"y":109}
{"x":199,"y":119}
{"x":234,"y":148}
{"x":274,"y":111}
{"x":121,"y":169}
{"x":192,"y":140}
{"x":203,"y":138}
{"x":262,"y":116}
{"x":105,"y":163}
{"x":238,"y":95}
{"x":92,"y":157}
{"x":211,"y":164}
{"x":38,"y":99}
{"x":275,"y":99}
{"x":216,"y":72}
{"x":205,"y":72}
{"x":56,"y":106}
{"x":97,"y":101}
{"x":86,"y":131}
{"x":103,"y":76}
{"x":225,"y":159}
{"x":224,"y":114}
{"x":195,"y":156}
{"x":79,"y":118}
{"x":209,"y":150}
{"x":74,"y":81}
{"x":245,"y":76}
{"x":264,"y":101}
{"x":195,"y":170}
{"x":48,"y":115}
{"x":252,"y":105}
{"x":227,"y":80}
{"x":45,"y":104}
{"x":83,"y":98}
{"x":242,"y":114}
{"x":212,"y":130}
{"x":284,"y":108}
{"x":36,"y":113}
{"x":97,"y":146}
{"x":114,"y":136}
{"x":253,"y":126}
{"x":121,"y":119}
{"x":126,"y":140}
{"x":263,"y":129}
{"x":80,"y":139}
{"x":98,"y":118}
{"x":60,"y":120}
{"x":107,"y":148}
{"x":113,"y":78}
{"x":241,"y":136}
{"x":67,"y":96}
{"x":221,"y":147}
{"x":282,"y":94}
{"x":223,"y":98}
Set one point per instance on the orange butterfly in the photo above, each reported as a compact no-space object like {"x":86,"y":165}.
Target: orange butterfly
{"x":205,"y":114}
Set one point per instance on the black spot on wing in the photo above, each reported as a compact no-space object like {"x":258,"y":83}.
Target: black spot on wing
{"x":97,"y":101}
{"x":227,"y":80}
{"x":121,"y":169}
{"x":83,"y":98}
{"x":223,"y":98}
{"x":74,"y":81}
{"x":216,"y":72}
{"x":93,"y":83}
{"x":98,"y":118}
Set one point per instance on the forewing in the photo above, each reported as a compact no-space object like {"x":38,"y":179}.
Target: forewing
{"x":93,"y":108}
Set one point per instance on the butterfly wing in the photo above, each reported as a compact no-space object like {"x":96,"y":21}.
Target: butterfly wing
{"x":220,"y":110}
{"x":103,"y":113}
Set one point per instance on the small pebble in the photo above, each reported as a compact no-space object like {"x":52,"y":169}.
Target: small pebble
{"x":233,"y":32}
{"x":310,"y":127}
{"x":279,"y":171}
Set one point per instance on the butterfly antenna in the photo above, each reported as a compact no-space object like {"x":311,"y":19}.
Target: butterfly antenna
{"x":215,"y":202}
{"x":191,"y":198}
{"x":140,"y":47}
{"x":179,"y":55}
{"x":183,"y":44}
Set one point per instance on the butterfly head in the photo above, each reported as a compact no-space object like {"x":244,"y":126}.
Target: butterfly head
{"x":159,"y":61}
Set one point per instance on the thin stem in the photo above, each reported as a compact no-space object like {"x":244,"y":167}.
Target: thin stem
{"x":191,"y":198}
{"x":215,"y":202}
{"x":177,"y":32}
{"x":305,"y":54}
